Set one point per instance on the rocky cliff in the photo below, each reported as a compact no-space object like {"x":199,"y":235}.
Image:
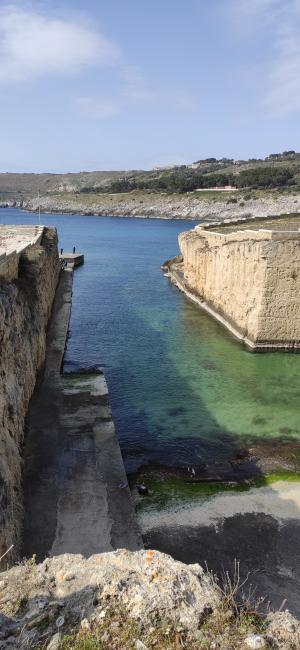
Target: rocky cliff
{"x":25,"y":307}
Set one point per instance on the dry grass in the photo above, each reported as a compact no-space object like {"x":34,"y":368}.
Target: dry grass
{"x":223,"y":629}
{"x":238,"y":615}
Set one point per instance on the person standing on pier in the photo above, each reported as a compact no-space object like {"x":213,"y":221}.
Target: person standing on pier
{"x":74,"y":250}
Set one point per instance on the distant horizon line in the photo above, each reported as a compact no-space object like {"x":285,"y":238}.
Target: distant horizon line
{"x":155,"y":167}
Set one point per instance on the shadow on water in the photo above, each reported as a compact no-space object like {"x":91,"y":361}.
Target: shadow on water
{"x":266,"y":545}
{"x":160,"y":419}
{"x":262,"y":532}
{"x":266,"y":540}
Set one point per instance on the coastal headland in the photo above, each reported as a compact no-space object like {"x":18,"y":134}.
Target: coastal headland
{"x":196,"y":206}
{"x":207,"y":190}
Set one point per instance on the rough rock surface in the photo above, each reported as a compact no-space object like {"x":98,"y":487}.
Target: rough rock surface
{"x":164,"y":206}
{"x":25,"y":307}
{"x":282,"y":628}
{"x":67,"y":589}
{"x":39,"y":604}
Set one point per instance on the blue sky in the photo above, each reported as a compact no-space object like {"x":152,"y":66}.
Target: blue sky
{"x":93,"y":84}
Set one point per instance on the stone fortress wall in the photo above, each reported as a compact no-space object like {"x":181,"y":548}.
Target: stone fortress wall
{"x":14,"y":240}
{"x":29,"y":272}
{"x":246,"y":275}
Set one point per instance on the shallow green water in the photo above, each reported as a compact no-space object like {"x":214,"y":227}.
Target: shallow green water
{"x":250,"y":395}
{"x":183,"y":391}
{"x":168,"y":492}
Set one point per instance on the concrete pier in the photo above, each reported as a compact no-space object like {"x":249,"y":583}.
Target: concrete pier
{"x":72,"y":259}
{"x":76,"y":495}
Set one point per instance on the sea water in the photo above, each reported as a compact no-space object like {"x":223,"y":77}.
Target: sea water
{"x":183,"y":391}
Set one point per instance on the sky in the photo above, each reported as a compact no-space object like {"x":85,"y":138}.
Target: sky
{"x":136,"y":84}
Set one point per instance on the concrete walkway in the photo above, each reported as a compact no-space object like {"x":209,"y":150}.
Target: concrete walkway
{"x":76,"y":494}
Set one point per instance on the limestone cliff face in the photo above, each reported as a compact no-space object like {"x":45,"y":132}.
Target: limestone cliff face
{"x":249,"y":279}
{"x":25,"y":306}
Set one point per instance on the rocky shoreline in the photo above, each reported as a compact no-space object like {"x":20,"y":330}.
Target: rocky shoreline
{"x":161,"y":206}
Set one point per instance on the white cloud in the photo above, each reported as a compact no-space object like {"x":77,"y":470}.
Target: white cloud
{"x":280,"y":22}
{"x":98,"y":108}
{"x":33,"y":44}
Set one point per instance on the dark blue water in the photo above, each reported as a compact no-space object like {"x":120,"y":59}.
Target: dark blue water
{"x":182,"y":390}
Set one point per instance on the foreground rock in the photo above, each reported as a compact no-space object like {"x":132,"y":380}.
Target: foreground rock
{"x":109,"y":593}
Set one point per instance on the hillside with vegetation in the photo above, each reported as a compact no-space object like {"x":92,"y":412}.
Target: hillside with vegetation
{"x":277,"y":171}
{"x":207,"y":190}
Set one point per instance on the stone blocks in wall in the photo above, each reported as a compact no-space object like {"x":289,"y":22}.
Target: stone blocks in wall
{"x":249,"y":279}
{"x":15,"y":240}
{"x":25,"y":307}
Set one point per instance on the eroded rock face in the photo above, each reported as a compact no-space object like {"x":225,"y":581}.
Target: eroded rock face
{"x":25,"y":307}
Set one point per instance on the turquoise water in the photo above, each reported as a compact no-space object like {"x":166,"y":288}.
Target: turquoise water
{"x":183,"y":391}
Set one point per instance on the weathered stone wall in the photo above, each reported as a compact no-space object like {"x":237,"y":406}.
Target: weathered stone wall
{"x":14,"y":240}
{"x":279,"y":318}
{"x":249,"y":278}
{"x":25,"y":307}
{"x":9,"y":266}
